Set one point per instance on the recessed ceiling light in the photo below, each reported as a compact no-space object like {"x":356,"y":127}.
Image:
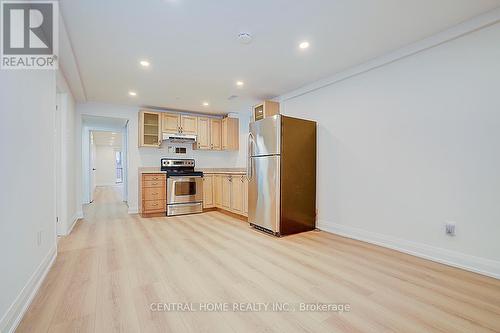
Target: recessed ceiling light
{"x":132,"y":93}
{"x":205,"y":104}
{"x":304,"y":45}
{"x":239,"y":83}
{"x":144,"y":63}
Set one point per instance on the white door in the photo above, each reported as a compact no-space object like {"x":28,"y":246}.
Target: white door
{"x":92,"y":166}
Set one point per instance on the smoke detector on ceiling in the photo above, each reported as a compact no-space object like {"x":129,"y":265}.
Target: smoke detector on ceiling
{"x":244,"y":38}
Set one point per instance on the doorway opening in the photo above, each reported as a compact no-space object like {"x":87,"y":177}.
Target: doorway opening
{"x":104,"y":158}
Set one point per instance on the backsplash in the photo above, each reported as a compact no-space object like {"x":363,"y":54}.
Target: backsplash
{"x":150,"y":157}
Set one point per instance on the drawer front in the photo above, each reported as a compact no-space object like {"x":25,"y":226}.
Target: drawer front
{"x":154,"y":183}
{"x":154,"y":206}
{"x":154,"y":193}
{"x":154,"y":176}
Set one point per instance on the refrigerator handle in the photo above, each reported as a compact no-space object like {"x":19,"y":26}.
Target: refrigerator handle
{"x":249,"y":156}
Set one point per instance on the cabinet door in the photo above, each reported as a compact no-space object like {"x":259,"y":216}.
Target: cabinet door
{"x":208,"y":196}
{"x":203,"y":133}
{"x":149,"y":129}
{"x":245,"y":194}
{"x":230,"y":134}
{"x":218,"y":190}
{"x":170,"y":123}
{"x":237,"y":194}
{"x":226,"y":192}
{"x":224,"y":134}
{"x":188,"y":124}
{"x":215,"y":134}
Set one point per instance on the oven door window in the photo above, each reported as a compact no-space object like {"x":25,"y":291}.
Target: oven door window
{"x":185,"y":188}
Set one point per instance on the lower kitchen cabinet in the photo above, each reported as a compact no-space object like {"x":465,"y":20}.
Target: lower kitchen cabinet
{"x":227,"y":192}
{"x":208,"y":191}
{"x":217,"y":188}
{"x":152,"y":194}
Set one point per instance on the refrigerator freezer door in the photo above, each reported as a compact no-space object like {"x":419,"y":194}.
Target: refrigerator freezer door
{"x":264,"y":193}
{"x":265,"y":136}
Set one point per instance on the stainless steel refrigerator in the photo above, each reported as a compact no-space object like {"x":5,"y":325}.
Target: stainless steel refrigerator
{"x":281,"y":171}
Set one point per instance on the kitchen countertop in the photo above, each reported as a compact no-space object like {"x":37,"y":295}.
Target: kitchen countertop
{"x":150,"y":170}
{"x":233,"y":171}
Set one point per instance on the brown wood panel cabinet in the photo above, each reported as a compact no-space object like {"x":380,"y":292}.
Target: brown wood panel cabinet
{"x":152,"y":194}
{"x":265,"y":109}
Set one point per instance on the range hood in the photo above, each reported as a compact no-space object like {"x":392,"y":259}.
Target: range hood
{"x":179,"y":138}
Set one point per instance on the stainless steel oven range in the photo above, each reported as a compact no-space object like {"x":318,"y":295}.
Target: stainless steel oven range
{"x":184,"y":186}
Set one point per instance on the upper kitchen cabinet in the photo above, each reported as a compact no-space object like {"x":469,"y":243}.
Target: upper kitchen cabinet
{"x":170,"y":123}
{"x":149,"y":129}
{"x":230,"y":134}
{"x":188,"y":124}
{"x":209,"y":134}
{"x":215,"y":134}
{"x":175,"y":123}
{"x":265,"y":109}
{"x":203,"y":135}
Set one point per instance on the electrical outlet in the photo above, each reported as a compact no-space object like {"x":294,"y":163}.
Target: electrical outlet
{"x":450,"y":227}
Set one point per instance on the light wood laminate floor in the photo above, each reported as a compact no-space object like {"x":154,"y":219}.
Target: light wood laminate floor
{"x":114,"y":265}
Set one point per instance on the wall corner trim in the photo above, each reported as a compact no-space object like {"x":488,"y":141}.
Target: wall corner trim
{"x":476,"y":23}
{"x":15,"y":313}
{"x":467,"y":262}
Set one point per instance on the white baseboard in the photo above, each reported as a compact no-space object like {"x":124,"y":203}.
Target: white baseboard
{"x":133,"y":210}
{"x":75,"y":218}
{"x":13,"y":316}
{"x":452,"y":258}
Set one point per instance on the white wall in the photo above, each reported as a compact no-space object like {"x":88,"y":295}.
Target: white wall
{"x":70,"y":210}
{"x":27,"y":178}
{"x":143,"y":157}
{"x":106,"y":166}
{"x":407,"y":146}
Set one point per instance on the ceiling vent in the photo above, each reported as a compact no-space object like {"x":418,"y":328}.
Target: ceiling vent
{"x":230,"y":98}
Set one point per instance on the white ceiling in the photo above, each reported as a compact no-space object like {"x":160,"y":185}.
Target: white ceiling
{"x":104,"y":138}
{"x":195,"y":55}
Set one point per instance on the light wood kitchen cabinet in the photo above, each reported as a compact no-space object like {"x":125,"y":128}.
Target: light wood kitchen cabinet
{"x":179,"y":123}
{"x":265,"y":109}
{"x":218,"y":191}
{"x":230,"y":133}
{"x":237,"y":196}
{"x":149,"y":129}
{"x":209,"y":134}
{"x":170,"y":122}
{"x":203,"y":135}
{"x":230,"y":193}
{"x":152,"y":194}
{"x":188,"y":124}
{"x":208,"y":191}
{"x":215,"y":134}
{"x":226,"y":192}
